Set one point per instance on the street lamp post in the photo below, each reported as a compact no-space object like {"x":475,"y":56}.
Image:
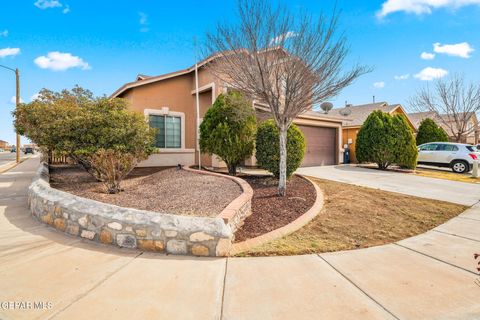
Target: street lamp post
{"x":17,"y":102}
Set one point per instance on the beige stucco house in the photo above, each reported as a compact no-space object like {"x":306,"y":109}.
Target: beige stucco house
{"x":169,"y":103}
{"x":447,"y":123}
{"x":355,"y":115}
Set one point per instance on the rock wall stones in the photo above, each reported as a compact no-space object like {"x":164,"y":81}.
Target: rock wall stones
{"x":137,"y":229}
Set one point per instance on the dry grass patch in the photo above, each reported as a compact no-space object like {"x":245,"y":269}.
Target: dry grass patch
{"x":431,"y":173}
{"x":358,"y":217}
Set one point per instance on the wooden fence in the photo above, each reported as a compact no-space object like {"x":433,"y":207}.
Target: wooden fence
{"x":59,"y":159}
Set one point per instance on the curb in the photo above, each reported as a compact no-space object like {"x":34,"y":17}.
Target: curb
{"x":285,"y":230}
{"x":8,"y":166}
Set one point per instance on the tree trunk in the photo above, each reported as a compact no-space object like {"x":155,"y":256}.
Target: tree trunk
{"x":232,"y":169}
{"x":282,"y":183}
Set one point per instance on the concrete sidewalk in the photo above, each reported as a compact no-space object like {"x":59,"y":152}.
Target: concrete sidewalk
{"x":430,"y":276}
{"x":431,"y":188}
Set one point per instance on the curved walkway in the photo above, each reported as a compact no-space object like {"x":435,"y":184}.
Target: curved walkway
{"x":431,"y":276}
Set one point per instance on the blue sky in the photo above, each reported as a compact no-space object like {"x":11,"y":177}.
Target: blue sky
{"x":100,"y":45}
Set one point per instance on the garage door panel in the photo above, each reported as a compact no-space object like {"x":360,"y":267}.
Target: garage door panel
{"x":320,"y":146}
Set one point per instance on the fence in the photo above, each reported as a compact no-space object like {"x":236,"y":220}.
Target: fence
{"x":59,"y":159}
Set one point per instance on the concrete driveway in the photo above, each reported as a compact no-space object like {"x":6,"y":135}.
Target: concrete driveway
{"x":431,"y":276}
{"x":431,"y":188}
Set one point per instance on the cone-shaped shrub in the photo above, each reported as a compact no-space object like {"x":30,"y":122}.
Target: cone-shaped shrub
{"x":268,"y":150}
{"x":429,"y":131}
{"x":384,"y":139}
{"x":406,"y":152}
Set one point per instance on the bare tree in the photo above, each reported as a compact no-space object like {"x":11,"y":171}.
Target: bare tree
{"x":287,"y":62}
{"x":453,"y":103}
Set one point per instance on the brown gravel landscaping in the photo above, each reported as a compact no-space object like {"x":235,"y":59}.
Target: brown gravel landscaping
{"x":358,"y":217}
{"x":270,"y":212}
{"x":156,"y":189}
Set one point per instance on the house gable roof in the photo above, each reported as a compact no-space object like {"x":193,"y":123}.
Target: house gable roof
{"x":358,"y":114}
{"x":418,"y":117}
{"x":143,"y":79}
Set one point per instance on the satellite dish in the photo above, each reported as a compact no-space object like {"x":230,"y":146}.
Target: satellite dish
{"x":326,"y":106}
{"x":345,"y":112}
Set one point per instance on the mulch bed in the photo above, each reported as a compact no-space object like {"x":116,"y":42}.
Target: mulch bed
{"x":165,"y":190}
{"x":269,"y":211}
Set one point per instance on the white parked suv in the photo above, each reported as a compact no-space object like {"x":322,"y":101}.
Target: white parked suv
{"x":457,"y":156}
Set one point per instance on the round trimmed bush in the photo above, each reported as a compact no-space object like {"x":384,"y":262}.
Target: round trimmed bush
{"x":268,"y":150}
{"x":385,"y":140}
{"x":429,"y":131}
{"x":228,"y":129}
{"x":405,"y":146}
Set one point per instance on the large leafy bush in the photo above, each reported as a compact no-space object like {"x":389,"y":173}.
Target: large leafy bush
{"x":406,"y":152}
{"x":268,"y":151}
{"x":228,"y":129}
{"x":429,"y":131}
{"x":87,"y":129}
{"x":384,"y":139}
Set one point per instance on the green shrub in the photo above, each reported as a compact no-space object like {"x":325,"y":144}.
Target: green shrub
{"x":406,"y":152}
{"x":88,"y":129}
{"x":268,"y":151}
{"x":429,"y":131}
{"x":384,"y":139}
{"x":228,"y":129}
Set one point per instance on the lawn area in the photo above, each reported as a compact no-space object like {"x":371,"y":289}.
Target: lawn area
{"x":439,"y":174}
{"x":358,"y":217}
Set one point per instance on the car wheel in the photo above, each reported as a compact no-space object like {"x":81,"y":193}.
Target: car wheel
{"x":459,"y":166}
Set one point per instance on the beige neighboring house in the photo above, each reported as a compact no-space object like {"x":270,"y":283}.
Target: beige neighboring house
{"x":3,"y":144}
{"x":168,"y":101}
{"x":447,"y":123}
{"x":355,"y":116}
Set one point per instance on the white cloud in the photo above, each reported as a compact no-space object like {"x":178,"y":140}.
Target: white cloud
{"x":283,"y":37}
{"x":429,"y":74}
{"x":13,"y":100}
{"x":46,"y":4}
{"x":379,"y":85}
{"x":143,"y":22}
{"x":59,"y":61}
{"x":421,"y":6}
{"x":427,"y":56}
{"x":402,"y":77}
{"x":462,"y":50}
{"x":4,"y":33}
{"x":9,"y":52}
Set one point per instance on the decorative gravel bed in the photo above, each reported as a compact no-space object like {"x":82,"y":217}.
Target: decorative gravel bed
{"x":155,"y":189}
{"x":269,"y":211}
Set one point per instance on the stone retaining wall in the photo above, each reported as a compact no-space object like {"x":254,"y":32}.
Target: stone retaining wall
{"x":137,"y":229}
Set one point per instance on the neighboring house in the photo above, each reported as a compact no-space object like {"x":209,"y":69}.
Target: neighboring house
{"x":3,"y":144}
{"x":355,"y":116}
{"x":169,"y":103}
{"x":448,"y":124}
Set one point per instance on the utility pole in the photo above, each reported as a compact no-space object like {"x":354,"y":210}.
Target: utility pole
{"x":197,"y":107}
{"x":17,"y":100}
{"x":17,"y":103}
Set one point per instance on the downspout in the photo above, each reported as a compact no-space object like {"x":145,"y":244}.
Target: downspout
{"x":197,"y":98}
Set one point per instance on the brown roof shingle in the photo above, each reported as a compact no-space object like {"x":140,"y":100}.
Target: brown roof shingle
{"x":358,"y":114}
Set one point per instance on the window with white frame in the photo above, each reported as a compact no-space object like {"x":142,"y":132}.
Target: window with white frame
{"x":169,"y":130}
